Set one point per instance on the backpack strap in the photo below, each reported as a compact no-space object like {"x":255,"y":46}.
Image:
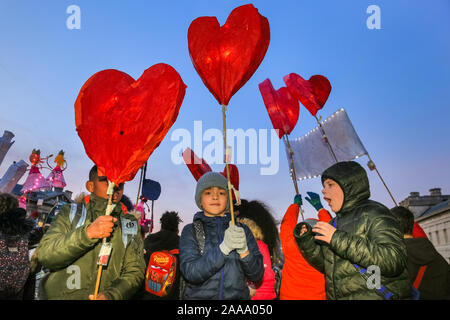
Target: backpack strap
{"x":419,"y":277}
{"x":77,"y":215}
{"x":199,"y":234}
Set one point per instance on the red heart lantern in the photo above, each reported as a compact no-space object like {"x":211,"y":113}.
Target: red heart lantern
{"x":312,"y":93}
{"x":121,"y":121}
{"x":199,"y":167}
{"x":226,"y":57}
{"x":283,"y":109}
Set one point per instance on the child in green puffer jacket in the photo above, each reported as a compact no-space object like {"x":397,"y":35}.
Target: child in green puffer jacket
{"x":361,"y":251}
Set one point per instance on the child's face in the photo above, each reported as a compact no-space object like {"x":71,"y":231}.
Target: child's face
{"x":333,"y":194}
{"x":214,"y":201}
{"x":99,"y":187}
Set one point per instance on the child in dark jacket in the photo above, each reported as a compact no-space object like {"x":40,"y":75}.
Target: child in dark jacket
{"x":363,"y":235}
{"x":230,"y":255}
{"x":433,"y":282}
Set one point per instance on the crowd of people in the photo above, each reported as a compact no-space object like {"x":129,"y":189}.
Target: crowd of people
{"x":219,"y":256}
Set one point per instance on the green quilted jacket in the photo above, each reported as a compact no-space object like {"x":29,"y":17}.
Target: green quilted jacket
{"x":367,"y":235}
{"x":72,"y":257}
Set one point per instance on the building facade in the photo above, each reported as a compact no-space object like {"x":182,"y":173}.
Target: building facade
{"x":432,"y":213}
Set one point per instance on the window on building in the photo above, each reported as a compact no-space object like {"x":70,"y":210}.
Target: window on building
{"x":437,"y":238}
{"x":445,"y":236}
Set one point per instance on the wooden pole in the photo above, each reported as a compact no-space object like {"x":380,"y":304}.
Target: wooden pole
{"x":140,"y":184}
{"x":372,"y":166}
{"x":294,"y":175}
{"x":230,"y":198}
{"x":291,"y":158}
{"x":99,"y":274}
{"x":326,"y":140}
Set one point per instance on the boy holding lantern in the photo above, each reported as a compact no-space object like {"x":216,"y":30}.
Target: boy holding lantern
{"x":219,"y":267}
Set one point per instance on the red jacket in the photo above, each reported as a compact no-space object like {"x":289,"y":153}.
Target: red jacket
{"x":300,"y":281}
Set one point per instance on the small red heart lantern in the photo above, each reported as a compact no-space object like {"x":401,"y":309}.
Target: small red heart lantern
{"x":282,"y":107}
{"x":312,"y":93}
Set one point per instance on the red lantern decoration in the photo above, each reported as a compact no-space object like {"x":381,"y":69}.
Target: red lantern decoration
{"x":198,"y":167}
{"x":121,"y":121}
{"x":282,"y":107}
{"x":234,"y":176}
{"x":226,"y":57}
{"x":312,"y":93}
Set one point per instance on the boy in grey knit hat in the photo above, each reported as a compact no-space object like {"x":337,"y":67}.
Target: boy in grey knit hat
{"x":231,"y":254}
{"x":216,"y":182}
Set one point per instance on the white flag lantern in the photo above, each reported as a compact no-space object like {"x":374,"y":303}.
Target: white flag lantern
{"x":313,"y":155}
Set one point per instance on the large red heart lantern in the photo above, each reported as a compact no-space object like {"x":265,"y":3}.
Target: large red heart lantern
{"x":226,"y":57}
{"x":312,"y":93}
{"x":282,"y":107}
{"x":121,"y":121}
{"x":198,"y":167}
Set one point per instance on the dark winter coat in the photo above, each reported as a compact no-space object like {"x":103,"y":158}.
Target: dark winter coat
{"x":367,"y":235}
{"x":15,"y":231}
{"x":162,"y":240}
{"x":435,"y":283}
{"x":214,"y":275}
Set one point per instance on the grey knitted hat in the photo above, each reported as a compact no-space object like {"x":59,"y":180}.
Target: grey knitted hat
{"x":208,"y":180}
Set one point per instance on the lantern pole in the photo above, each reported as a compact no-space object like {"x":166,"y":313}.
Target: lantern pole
{"x":293,"y":174}
{"x":324,"y":136}
{"x":151,"y":219}
{"x":372,"y":166}
{"x":230,"y":198}
{"x":109,"y":209}
{"x":140,"y":184}
{"x":291,"y":158}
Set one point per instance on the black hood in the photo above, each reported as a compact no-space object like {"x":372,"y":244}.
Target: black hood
{"x":420,"y":251}
{"x":352,"y":178}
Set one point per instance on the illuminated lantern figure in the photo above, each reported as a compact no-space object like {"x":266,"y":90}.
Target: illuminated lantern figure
{"x":35,"y":180}
{"x":56,"y":177}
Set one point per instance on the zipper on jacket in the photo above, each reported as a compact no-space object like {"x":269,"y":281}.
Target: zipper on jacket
{"x":222,"y":270}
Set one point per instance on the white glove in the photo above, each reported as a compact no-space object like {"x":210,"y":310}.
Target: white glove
{"x":234,"y":238}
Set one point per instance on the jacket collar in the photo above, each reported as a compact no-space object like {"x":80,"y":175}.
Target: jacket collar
{"x":201,"y":216}
{"x":98,"y":206}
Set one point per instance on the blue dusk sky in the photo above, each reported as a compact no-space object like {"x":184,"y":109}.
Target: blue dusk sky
{"x":394,"y":83}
